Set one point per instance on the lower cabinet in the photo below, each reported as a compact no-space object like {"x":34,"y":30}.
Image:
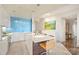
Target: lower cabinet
{"x":37,"y":49}
{"x":3,"y":47}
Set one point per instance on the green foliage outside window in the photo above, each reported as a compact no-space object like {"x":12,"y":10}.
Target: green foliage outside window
{"x":50,"y":25}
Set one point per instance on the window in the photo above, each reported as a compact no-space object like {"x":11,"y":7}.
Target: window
{"x":21,"y":24}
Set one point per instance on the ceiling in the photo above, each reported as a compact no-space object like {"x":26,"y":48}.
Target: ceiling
{"x":68,"y":12}
{"x":28,"y":10}
{"x":36,"y":10}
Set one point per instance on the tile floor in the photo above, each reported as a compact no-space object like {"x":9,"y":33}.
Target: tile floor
{"x":18,"y":48}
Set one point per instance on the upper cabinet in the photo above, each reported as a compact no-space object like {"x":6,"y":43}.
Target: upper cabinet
{"x":4,"y":18}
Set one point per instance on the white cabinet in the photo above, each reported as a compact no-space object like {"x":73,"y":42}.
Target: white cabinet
{"x":28,"y":39}
{"x":3,"y":47}
{"x":16,"y":36}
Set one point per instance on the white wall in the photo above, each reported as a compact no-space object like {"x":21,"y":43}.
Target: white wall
{"x":60,"y":30}
{"x":78,"y":29}
{"x":4,"y":17}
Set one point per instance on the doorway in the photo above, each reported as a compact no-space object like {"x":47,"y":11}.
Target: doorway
{"x":71,"y":33}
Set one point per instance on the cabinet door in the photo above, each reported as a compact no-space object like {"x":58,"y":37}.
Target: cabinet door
{"x":3,"y":47}
{"x":17,"y":37}
{"x":28,"y":40}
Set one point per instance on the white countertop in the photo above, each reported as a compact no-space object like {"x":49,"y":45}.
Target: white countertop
{"x":40,"y":38}
{"x":5,"y":38}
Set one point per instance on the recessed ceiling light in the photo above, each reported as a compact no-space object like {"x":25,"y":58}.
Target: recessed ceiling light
{"x":14,"y":11}
{"x":33,"y":11}
{"x":38,"y":4}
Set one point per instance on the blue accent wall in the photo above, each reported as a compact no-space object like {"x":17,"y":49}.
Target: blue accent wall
{"x":21,"y":24}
